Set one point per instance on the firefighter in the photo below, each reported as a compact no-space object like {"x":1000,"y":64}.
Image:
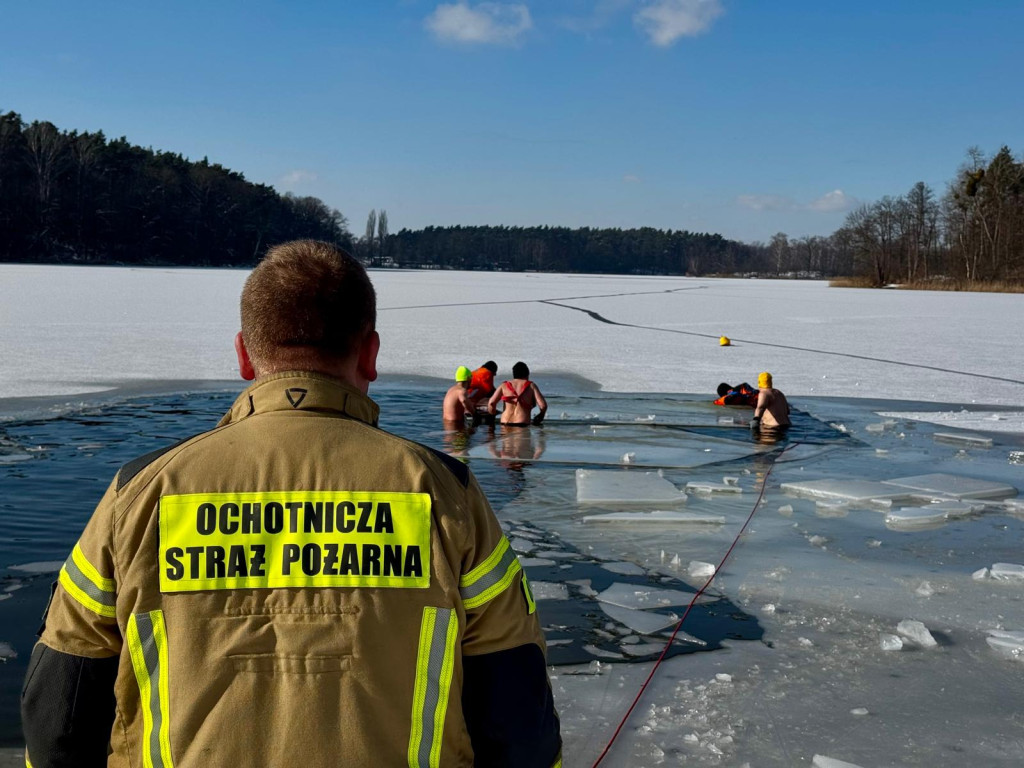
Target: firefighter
{"x":295,"y":586}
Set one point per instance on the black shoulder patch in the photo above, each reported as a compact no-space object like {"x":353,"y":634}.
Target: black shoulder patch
{"x":133,"y":467}
{"x":456,"y":467}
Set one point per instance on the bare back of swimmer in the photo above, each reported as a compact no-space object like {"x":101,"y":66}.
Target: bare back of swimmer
{"x":520,"y":396}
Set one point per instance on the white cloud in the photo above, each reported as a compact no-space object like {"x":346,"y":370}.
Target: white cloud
{"x":665,"y":21}
{"x":630,"y":178}
{"x":296,"y":178}
{"x":501,"y":23}
{"x":599,"y":17}
{"x":833,"y":201}
{"x":766,"y":202}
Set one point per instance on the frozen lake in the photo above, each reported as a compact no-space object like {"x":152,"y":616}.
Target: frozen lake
{"x":854,"y":540}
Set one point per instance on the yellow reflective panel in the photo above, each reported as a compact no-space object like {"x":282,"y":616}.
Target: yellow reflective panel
{"x":267,"y":540}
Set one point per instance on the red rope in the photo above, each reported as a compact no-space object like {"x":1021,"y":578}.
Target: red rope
{"x":679,"y":624}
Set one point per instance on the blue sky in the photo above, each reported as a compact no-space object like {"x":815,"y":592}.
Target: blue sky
{"x":730,"y":116}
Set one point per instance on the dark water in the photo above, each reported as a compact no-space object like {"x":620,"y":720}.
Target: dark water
{"x":65,"y":464}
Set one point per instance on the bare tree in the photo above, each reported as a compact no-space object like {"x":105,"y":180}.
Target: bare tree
{"x":371,"y":228}
{"x":779,"y":246}
{"x":382,"y":232}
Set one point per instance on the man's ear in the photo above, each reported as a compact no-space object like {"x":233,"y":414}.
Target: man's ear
{"x":366,"y":363}
{"x":245,"y":368}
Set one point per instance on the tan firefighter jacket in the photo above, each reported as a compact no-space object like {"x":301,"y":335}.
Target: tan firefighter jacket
{"x":293,"y":588}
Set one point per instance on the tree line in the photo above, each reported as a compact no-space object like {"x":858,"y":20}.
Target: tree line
{"x":973,"y":233}
{"x":557,"y":249}
{"x":70,"y":197}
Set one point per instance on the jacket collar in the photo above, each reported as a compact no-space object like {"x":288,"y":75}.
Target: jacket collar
{"x":302,"y":391}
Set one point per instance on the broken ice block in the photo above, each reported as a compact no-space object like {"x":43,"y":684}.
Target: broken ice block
{"x":643,"y":649}
{"x":624,"y":568}
{"x":846,"y":490}
{"x":1014,"y":506}
{"x":980,"y":575}
{"x":642,"y":622}
{"x":1009,"y":644}
{"x":640,"y":597}
{"x":831,"y":508}
{"x":972,"y":441}
{"x":657,"y":516}
{"x":955,"y":486}
{"x":707,"y":488}
{"x":525,"y":546}
{"x":820,"y":761}
{"x":700,"y":570}
{"x":620,"y":487}
{"x":890,"y":642}
{"x":913,"y":517}
{"x":547,"y":590}
{"x":957,"y":509}
{"x":916,"y":632}
{"x":1007,"y":572}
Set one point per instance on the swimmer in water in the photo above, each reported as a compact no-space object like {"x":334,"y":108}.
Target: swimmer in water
{"x":520,"y":396}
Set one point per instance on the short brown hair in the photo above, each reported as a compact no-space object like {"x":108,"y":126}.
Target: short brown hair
{"x":310,"y":295}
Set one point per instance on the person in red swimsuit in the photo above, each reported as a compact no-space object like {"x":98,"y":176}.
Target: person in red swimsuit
{"x":520,"y":396}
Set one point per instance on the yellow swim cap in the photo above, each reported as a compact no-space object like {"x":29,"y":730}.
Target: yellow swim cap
{"x":462,"y":373}
{"x":724,"y":341}
{"x":764,"y":380}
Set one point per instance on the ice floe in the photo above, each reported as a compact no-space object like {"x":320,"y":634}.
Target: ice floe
{"x":624,"y":487}
{"x":45,"y":566}
{"x":547,"y":590}
{"x":916,"y":632}
{"x":821,"y":761}
{"x":638,"y":598}
{"x":642,"y":622}
{"x":955,"y":486}
{"x":1007,"y":643}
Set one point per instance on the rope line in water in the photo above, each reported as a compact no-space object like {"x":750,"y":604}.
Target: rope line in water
{"x":693,"y":601}
{"x":601,"y":318}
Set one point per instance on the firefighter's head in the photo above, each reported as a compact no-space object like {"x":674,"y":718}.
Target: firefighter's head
{"x":309,"y":306}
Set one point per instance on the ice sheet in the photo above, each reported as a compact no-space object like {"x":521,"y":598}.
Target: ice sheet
{"x":546,"y":590}
{"x":822,"y":761}
{"x":911,"y":517}
{"x":954,"y":438}
{"x":956,"y":486}
{"x":609,"y":486}
{"x":845,"y":490}
{"x":643,"y":622}
{"x":709,"y":488}
{"x":97,"y":325}
{"x":639,"y":598}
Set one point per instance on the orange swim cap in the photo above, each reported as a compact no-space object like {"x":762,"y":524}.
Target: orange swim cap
{"x":764,"y":380}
